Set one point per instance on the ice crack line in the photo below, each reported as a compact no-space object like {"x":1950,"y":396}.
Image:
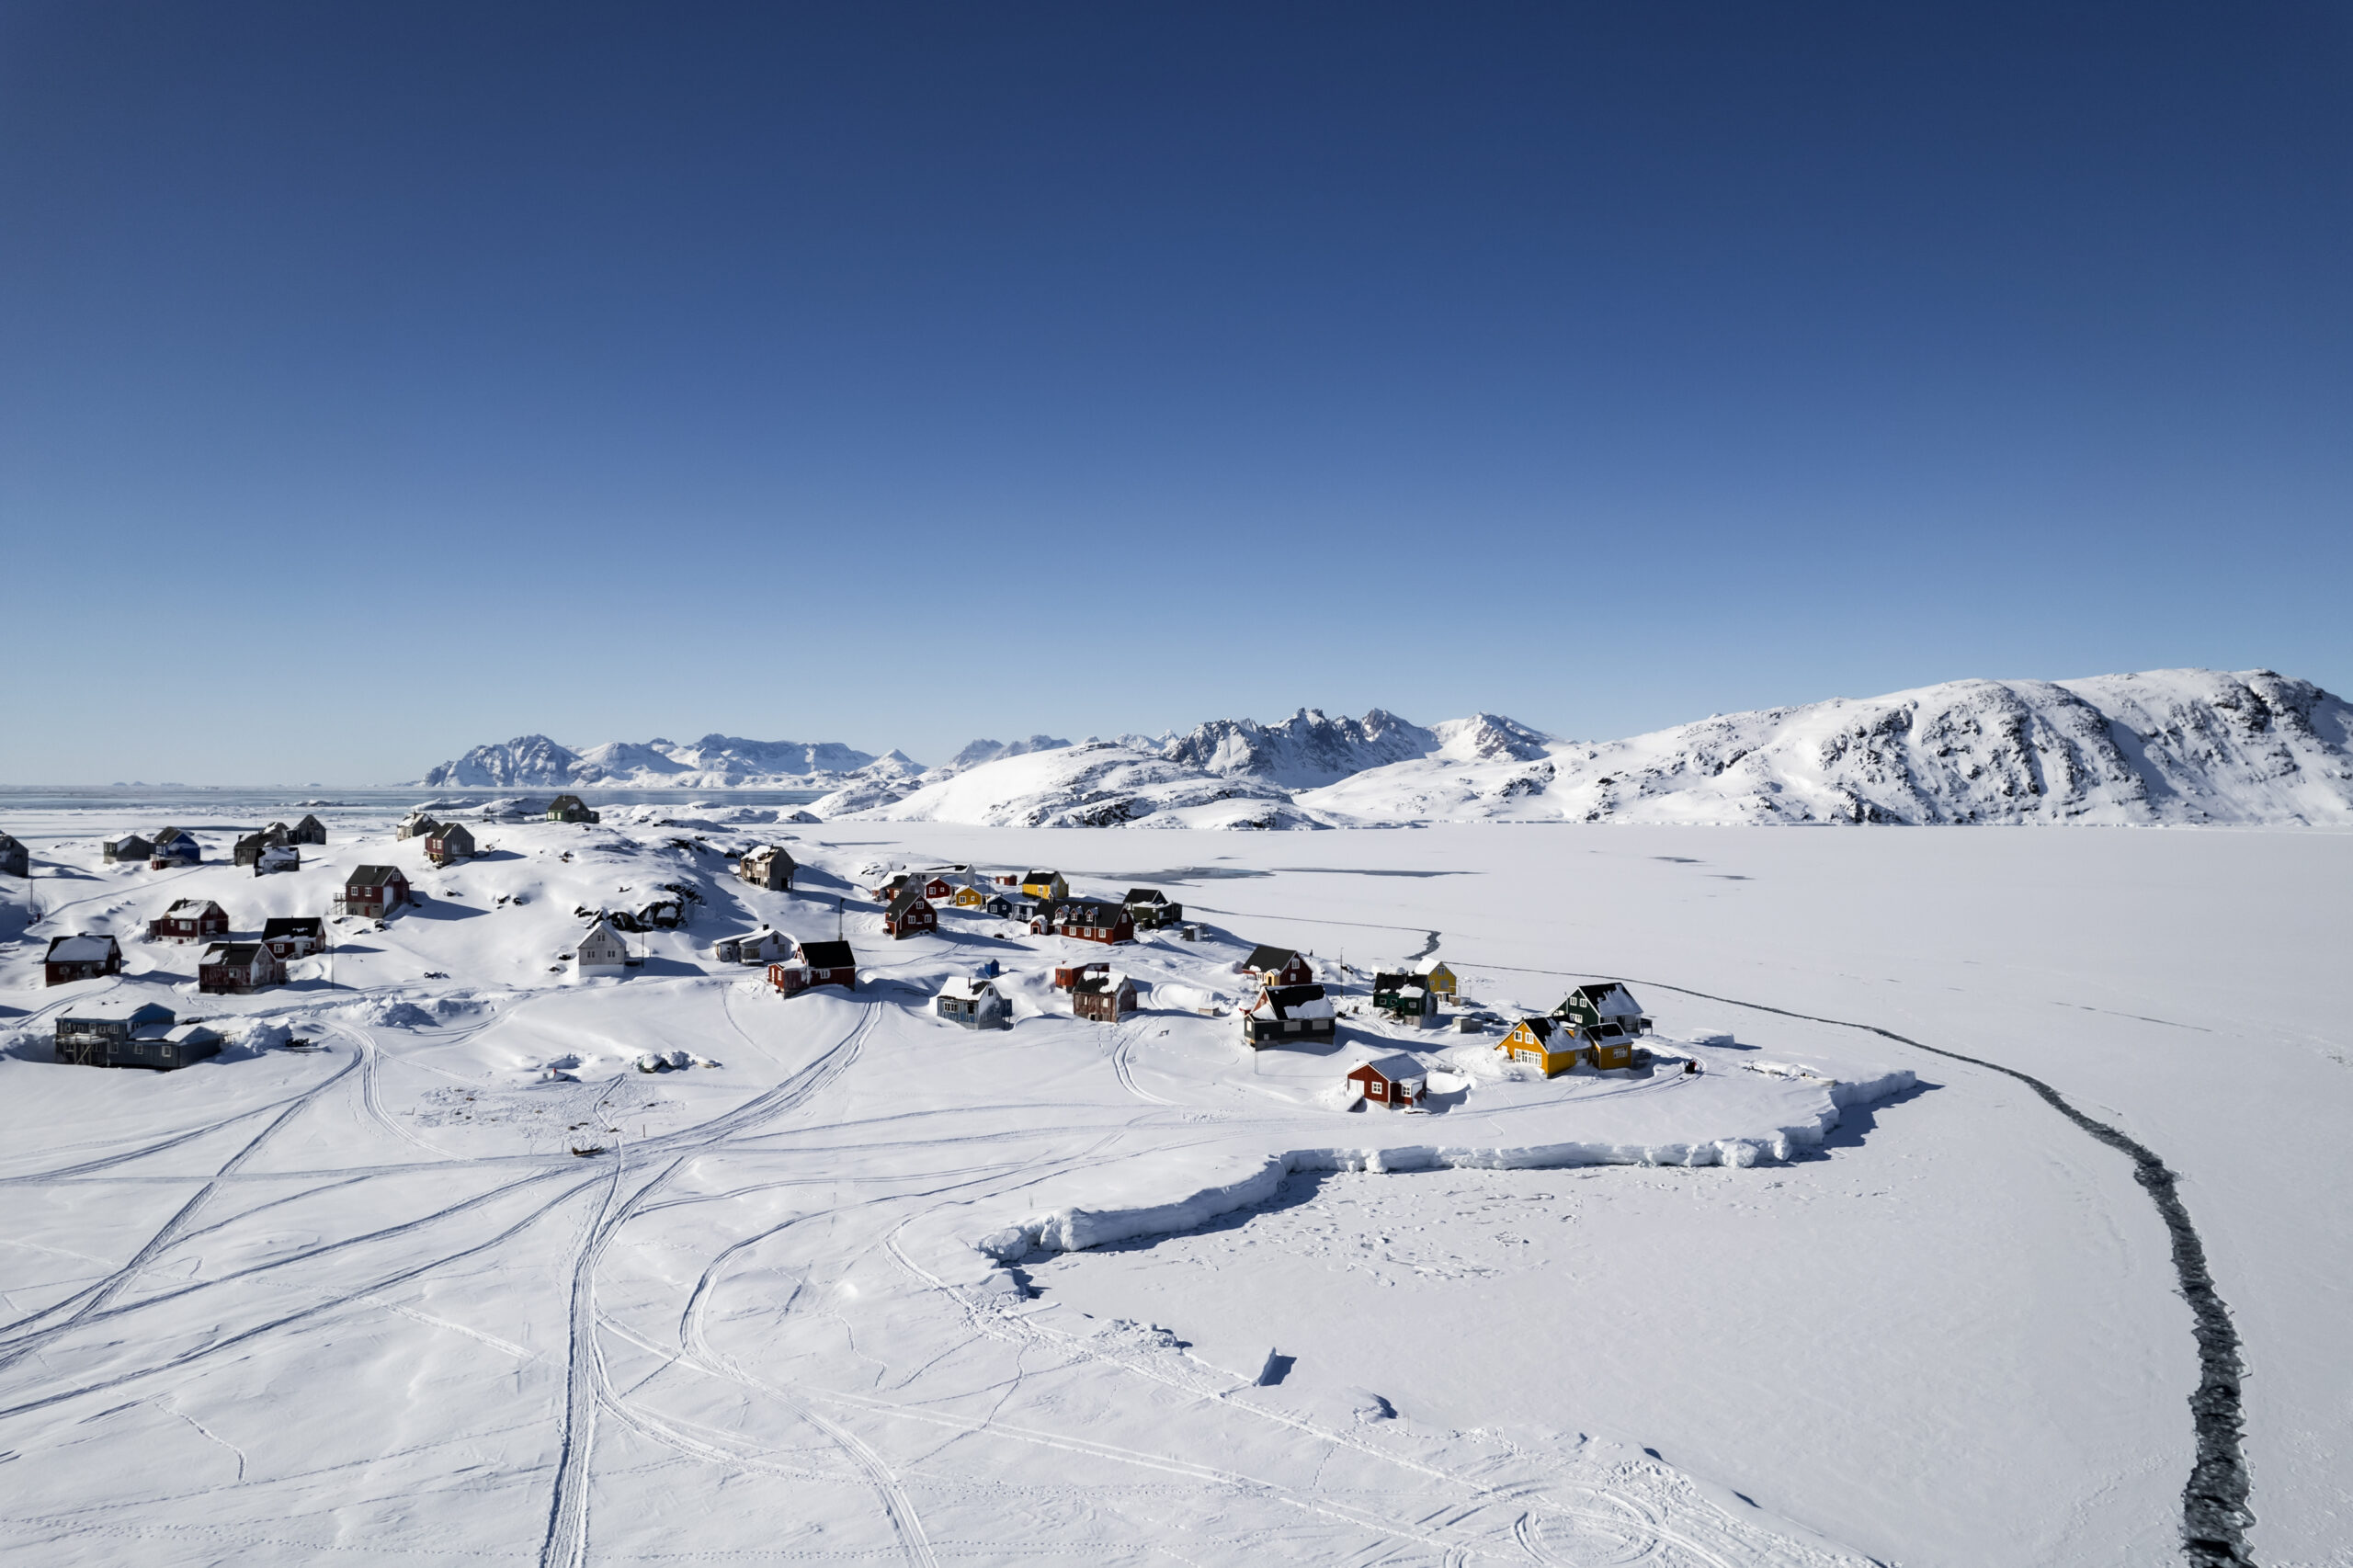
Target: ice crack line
{"x":2214,"y":1513}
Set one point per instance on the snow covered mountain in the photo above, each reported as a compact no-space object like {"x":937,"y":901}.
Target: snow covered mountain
{"x":1096,"y":784}
{"x":979,"y":752}
{"x":1303,"y":751}
{"x":714,"y":762}
{"x":2165,"y":746}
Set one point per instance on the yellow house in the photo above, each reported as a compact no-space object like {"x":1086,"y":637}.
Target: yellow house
{"x":1045,"y":884}
{"x":970,"y":898}
{"x":1440,"y":980}
{"x":1556,"y":1046}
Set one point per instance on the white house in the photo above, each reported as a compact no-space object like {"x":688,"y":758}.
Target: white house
{"x":763,"y":945}
{"x":603,"y":950}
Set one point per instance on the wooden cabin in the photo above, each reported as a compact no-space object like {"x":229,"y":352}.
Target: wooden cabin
{"x":1288,"y":1015}
{"x":1441,"y":980}
{"x":1407,"y":998}
{"x":969,"y":897}
{"x":910,"y":913}
{"x":128,"y":847}
{"x":1070,"y":974}
{"x":815,"y":964}
{"x":237,"y":968}
{"x":1045,"y":885}
{"x":940,"y":889}
{"x":189,"y":920}
{"x":1150,"y":909}
{"x":1103,"y":998}
{"x":14,"y":859}
{"x":293,"y":935}
{"x":373,"y":891}
{"x":119,"y":1034}
{"x":309,"y":829}
{"x":449,"y":842}
{"x":767,"y":866}
{"x":174,"y":848}
{"x":1089,"y":920}
{"x":763,"y":945}
{"x":602,"y":951}
{"x":1398,"y":1082}
{"x":997,"y":906}
{"x":974,"y":1003}
{"x":1277,"y":966}
{"x":90,"y":956}
{"x":416,"y":824}
{"x":1601,"y":1005}
{"x":570,"y":808}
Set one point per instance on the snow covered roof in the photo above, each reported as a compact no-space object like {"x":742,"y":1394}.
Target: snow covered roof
{"x":1096,"y":984}
{"x":1288,"y":1002}
{"x":1543,"y":1029}
{"x":1398,"y":1068}
{"x":117,"y":1011}
{"x":192,"y":908}
{"x":84,"y":948}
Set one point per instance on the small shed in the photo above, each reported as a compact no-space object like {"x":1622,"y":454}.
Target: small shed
{"x":293,"y":935}
{"x":815,"y":964}
{"x":975,"y":1005}
{"x":450,"y":841}
{"x":1397,"y":1082}
{"x":89,"y":955}
{"x":238,"y":969}
{"x":309,"y":829}
{"x":1277,"y":966}
{"x":570,"y":808}
{"x":373,"y":891}
{"x":910,"y":913}
{"x":767,"y":866}
{"x":1105,"y":998}
{"x":1407,"y":998}
{"x":13,"y":860}
{"x":1092,"y":920}
{"x":602,"y":951}
{"x":189,"y":920}
{"x":1289,"y":1014}
{"x":762,"y":946}
{"x":130,"y":847}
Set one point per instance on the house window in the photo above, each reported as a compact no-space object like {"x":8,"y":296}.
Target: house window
{"x":1376,"y":1091}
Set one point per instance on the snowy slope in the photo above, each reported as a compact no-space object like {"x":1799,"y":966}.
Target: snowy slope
{"x":1303,"y":751}
{"x":714,"y":762}
{"x":979,"y":752}
{"x":2164,"y":747}
{"x":1093,"y":785}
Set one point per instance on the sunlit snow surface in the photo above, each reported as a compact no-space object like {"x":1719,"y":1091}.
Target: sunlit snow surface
{"x":366,"y":1306}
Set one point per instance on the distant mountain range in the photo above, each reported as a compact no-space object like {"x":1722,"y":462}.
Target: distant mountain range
{"x":2170,"y":747}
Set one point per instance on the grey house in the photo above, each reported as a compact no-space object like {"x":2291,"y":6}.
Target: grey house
{"x":975,"y":1005}
{"x":767,"y":866}
{"x":416,"y":824}
{"x":123,"y":1034}
{"x":14,"y":861}
{"x":130,"y":847}
{"x":309,"y":829}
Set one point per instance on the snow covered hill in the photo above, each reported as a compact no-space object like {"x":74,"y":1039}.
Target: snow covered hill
{"x":2164,"y":747}
{"x":1303,"y":751}
{"x":979,"y":752}
{"x":1098,"y":784}
{"x":714,"y":762}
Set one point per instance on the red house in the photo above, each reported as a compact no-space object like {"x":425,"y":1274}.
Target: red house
{"x":190,"y":920}
{"x":1090,"y":920}
{"x":1392,"y":1081}
{"x":1103,"y":998}
{"x":81,"y":958}
{"x":820,"y":963}
{"x":1278,"y":966}
{"x":233,"y":969}
{"x":374,"y":890}
{"x":940,"y":889}
{"x":293,"y":935}
{"x":910,"y":913}
{"x":1070,"y":974}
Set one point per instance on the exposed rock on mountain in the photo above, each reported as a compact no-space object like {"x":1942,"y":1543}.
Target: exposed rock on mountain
{"x":714,"y":762}
{"x":1096,"y":784}
{"x":980,"y":752}
{"x":1303,"y":751}
{"x":524,"y":761}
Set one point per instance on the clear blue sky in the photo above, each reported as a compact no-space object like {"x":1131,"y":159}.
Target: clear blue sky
{"x":375,"y":380}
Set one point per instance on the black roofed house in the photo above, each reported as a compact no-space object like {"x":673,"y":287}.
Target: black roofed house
{"x":1277,"y":966}
{"x":448,"y":842}
{"x":1604,"y":1003}
{"x":1152,"y":909}
{"x":373,"y":891}
{"x":130,"y":847}
{"x":767,"y":866}
{"x":1284,"y":1013}
{"x":189,"y":920}
{"x":248,"y":849}
{"x":1105,"y":998}
{"x":86,"y":957}
{"x":293,"y":935}
{"x":1397,"y":1082}
{"x":1407,"y":998}
{"x":997,"y":905}
{"x":816,"y":963}
{"x":173,"y":847}
{"x":975,"y":1005}
{"x":570,"y":808}
{"x":910,"y":913}
{"x":14,"y":861}
{"x":1089,"y":920}
{"x":1551,"y":1045}
{"x":416,"y":824}
{"x":235,"y":968}
{"x":1043,"y":884}
{"x":123,"y":1034}
{"x":309,"y":829}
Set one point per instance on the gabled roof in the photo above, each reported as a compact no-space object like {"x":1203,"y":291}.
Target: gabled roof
{"x":292,"y":926}
{"x":1285,"y":1002}
{"x":828,"y":955}
{"x":971,"y":989}
{"x":563,"y":801}
{"x":1146,"y":895}
{"x":89,"y":948}
{"x":116,"y":1011}
{"x":1091,"y":911}
{"x":231,"y":953}
{"x":1398,"y":1068}
{"x":197,"y":908}
{"x":908,"y":897}
{"x":1543,"y":1028}
{"x":374,"y":876}
{"x":1097,"y":984}
{"x":1265,"y":958}
{"x":1603,"y":996}
{"x":309,"y":820}
{"x":1400,"y":981}
{"x":1040,"y":876}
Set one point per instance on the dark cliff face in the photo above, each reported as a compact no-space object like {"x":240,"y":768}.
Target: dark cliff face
{"x":1304,"y":752}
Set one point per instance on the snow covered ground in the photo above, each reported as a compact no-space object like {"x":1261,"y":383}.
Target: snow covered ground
{"x":1834,"y":1299}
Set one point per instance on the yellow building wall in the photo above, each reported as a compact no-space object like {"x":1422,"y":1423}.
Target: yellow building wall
{"x":1442,"y":980}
